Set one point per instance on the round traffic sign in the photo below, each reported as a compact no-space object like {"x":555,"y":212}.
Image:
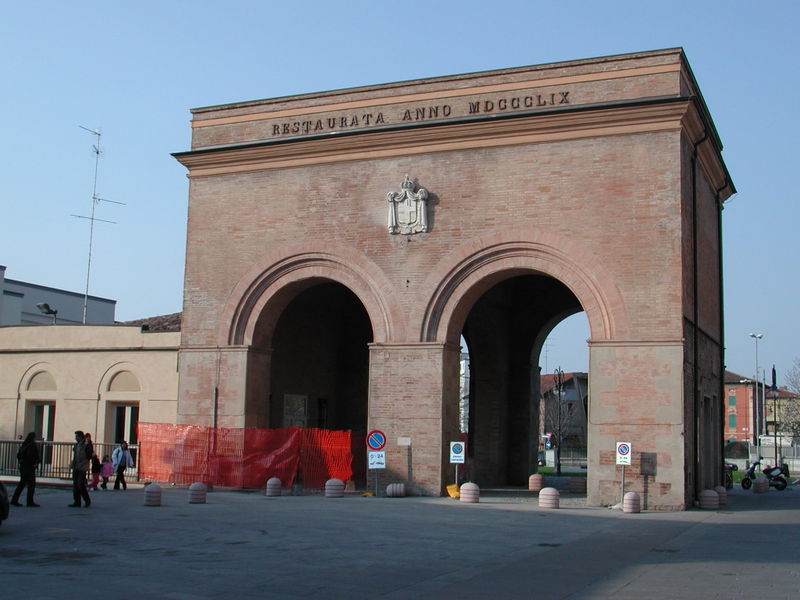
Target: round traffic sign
{"x":457,"y":448}
{"x":623,"y":449}
{"x":376,"y":440}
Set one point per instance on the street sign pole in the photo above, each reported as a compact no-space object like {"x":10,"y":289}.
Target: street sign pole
{"x":376,"y":441}
{"x":624,"y":451}
{"x":457,"y":457}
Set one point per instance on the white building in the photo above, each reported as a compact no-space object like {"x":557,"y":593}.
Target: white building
{"x":23,"y":303}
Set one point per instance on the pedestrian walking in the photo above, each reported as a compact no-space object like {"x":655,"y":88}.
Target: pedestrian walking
{"x":79,"y":465}
{"x":97,"y":466}
{"x":122,"y":459}
{"x":28,"y":459}
{"x":89,"y":452}
{"x":106,"y":471}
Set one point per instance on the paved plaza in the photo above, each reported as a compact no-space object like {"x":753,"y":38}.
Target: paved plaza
{"x":246,"y":545}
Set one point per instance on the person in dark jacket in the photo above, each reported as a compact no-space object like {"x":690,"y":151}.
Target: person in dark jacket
{"x":79,"y":465}
{"x":97,"y":466}
{"x":28,"y":457}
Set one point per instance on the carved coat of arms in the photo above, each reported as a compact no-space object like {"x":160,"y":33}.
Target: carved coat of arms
{"x":408,"y":209}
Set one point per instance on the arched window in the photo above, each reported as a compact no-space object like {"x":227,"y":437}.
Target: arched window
{"x":124,"y":381}
{"x":40,"y":405}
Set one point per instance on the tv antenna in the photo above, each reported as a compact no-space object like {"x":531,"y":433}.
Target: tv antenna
{"x":95,"y":201}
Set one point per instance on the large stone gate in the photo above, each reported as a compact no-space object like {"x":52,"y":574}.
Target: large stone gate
{"x":340,"y":244}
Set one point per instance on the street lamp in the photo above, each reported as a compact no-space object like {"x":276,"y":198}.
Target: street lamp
{"x":756,"y":400}
{"x":45,"y":308}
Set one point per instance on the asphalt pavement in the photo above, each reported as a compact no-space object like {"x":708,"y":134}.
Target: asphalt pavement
{"x":246,"y":545}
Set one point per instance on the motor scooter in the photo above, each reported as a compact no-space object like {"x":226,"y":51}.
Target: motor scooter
{"x":775,"y":475}
{"x":728,"y":469}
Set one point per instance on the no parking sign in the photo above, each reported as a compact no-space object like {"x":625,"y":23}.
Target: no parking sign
{"x":376,"y":440}
{"x":457,"y":453}
{"x":623,"y":453}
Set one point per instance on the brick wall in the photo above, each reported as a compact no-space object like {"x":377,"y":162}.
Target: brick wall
{"x":596,"y":198}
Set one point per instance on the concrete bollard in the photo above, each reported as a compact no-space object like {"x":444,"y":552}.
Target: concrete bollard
{"x":723,"y":495}
{"x":535,"y":482}
{"x":396,"y":490}
{"x":577,"y":485}
{"x":470,"y":492}
{"x":631,"y":503}
{"x":760,"y":485}
{"x":334,"y":488}
{"x":152,"y":495}
{"x":549,"y":498}
{"x":709,"y":500}
{"x":273,"y":487}
{"x":197,"y":493}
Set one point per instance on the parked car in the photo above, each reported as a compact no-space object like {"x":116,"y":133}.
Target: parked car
{"x":3,"y":503}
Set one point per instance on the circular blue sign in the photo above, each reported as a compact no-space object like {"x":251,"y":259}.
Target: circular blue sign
{"x":376,"y":440}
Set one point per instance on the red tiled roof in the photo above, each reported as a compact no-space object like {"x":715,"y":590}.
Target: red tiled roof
{"x":732,"y":378}
{"x":548,"y":381}
{"x":171,"y":322}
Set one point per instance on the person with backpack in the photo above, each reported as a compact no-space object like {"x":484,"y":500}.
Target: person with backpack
{"x":81,"y":457}
{"x":122,"y":459}
{"x":28,"y":458}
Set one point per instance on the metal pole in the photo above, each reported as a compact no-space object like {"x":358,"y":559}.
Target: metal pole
{"x":559,"y":435}
{"x":775,"y":423}
{"x":774,"y":391}
{"x":91,"y":220}
{"x":764,"y":400}
{"x":759,"y":404}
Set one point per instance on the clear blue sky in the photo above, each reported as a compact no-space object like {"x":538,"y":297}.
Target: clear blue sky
{"x":134,"y":69}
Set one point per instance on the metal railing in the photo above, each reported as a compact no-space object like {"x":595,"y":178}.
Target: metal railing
{"x":571,"y":457}
{"x":55,"y":458}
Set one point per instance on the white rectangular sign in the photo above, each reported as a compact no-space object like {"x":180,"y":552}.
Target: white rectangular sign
{"x":376,"y":459}
{"x":624,"y":451}
{"x":457,"y":453}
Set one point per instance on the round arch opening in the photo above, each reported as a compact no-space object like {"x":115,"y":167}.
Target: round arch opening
{"x":319,"y":367}
{"x":513,"y":413}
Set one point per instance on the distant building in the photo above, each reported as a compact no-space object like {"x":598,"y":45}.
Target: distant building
{"x":751,"y":409}
{"x":564,"y":409}
{"x":741,"y":416}
{"x":20,"y":304}
{"x":464,"y":387}
{"x":102,"y":379}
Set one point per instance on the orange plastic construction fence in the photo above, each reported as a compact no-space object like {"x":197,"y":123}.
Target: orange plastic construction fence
{"x":245,"y":458}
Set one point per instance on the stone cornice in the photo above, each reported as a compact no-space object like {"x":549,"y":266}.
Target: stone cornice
{"x":626,"y":118}
{"x":442,"y":94}
{"x":88,"y":349}
{"x":625,"y":343}
{"x":700,"y":133}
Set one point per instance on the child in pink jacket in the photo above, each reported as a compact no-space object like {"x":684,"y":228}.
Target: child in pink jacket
{"x":106,"y":471}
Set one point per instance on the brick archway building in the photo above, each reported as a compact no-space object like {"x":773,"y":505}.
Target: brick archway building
{"x":319,"y":276}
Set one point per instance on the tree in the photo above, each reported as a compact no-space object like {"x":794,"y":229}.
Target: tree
{"x":559,"y":416}
{"x":793,"y":378}
{"x":790,"y":407}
